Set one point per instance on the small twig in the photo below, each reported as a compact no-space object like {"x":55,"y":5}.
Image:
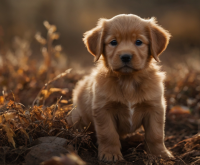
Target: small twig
{"x":35,"y":128}
{"x":39,"y":94}
{"x":149,"y":149}
{"x":5,"y":150}
{"x":58,"y":134}
{"x":49,"y":82}
{"x":44,"y":98}
{"x":148,"y":146}
{"x":181,"y":160}
{"x":196,"y":161}
{"x":138,"y":145}
{"x":84,"y":132}
{"x":13,"y":95}
{"x":19,"y":155}
{"x":134,"y":150}
{"x":60,"y":76}
{"x":78,"y":134}
{"x":94,"y":145}
{"x":87,"y":127}
{"x":56,"y":106}
{"x":70,"y":111}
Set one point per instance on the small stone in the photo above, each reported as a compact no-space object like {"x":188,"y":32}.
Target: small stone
{"x":51,"y":139}
{"x":43,"y":152}
{"x":69,"y":159}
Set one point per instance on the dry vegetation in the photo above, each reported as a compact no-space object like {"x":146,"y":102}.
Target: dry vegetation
{"x":36,"y":98}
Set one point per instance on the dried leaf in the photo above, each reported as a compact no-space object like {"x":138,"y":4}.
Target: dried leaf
{"x":55,"y":90}
{"x":9,"y":133}
{"x":38,"y":113}
{"x":179,"y":110}
{"x":1,"y":119}
{"x":10,"y":104}
{"x":48,"y":113}
{"x":23,"y":119}
{"x":19,"y":108}
{"x":64,"y":101}
{"x":1,"y":100}
{"x":10,"y":115}
{"x":22,"y":130}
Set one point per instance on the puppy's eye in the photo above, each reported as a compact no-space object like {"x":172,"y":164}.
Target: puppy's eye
{"x":138,"y":43}
{"x":113,"y":43}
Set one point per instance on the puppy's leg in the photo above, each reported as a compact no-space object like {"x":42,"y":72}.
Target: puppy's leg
{"x":153,"y":123}
{"x":108,"y":138}
{"x":74,"y":119}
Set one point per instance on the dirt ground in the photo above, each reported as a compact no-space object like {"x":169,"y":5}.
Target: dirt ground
{"x":36,"y":99}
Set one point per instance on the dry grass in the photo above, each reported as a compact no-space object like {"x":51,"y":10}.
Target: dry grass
{"x":20,"y":125}
{"x":36,"y":98}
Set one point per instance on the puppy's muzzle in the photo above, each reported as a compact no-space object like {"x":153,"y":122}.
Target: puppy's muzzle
{"x":126,"y":58}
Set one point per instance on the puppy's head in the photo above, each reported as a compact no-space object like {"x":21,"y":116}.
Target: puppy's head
{"x":127,"y":42}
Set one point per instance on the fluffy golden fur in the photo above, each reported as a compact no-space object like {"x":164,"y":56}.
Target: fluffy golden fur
{"x":118,"y":97}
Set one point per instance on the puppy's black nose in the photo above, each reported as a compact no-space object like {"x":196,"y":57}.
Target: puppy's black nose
{"x":126,"y":58}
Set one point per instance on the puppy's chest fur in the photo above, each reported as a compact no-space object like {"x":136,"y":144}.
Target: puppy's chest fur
{"x":131,"y":110}
{"x":128,"y":92}
{"x":123,"y":114}
{"x":123,"y":104}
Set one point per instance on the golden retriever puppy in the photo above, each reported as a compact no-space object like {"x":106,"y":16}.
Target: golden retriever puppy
{"x":125,"y":90}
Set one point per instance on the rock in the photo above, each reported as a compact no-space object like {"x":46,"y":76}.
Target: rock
{"x":43,"y":152}
{"x":51,"y":139}
{"x":69,"y":159}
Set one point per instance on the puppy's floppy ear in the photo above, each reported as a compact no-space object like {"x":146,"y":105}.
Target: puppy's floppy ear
{"x":159,"y":39}
{"x":93,"y":39}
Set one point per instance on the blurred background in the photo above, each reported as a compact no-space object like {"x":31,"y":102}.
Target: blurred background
{"x":24,"y":18}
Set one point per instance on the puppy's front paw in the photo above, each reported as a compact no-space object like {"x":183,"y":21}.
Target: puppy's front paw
{"x":108,"y":155}
{"x":158,"y":150}
{"x":166,"y":154}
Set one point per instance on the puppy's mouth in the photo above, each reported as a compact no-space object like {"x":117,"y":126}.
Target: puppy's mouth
{"x":125,"y":69}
